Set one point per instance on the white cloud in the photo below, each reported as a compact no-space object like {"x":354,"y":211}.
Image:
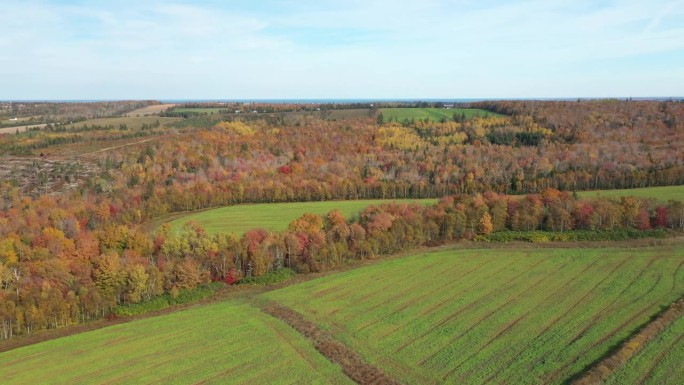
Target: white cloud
{"x":356,"y":48}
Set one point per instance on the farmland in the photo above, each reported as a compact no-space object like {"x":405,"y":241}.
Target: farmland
{"x":219,"y":343}
{"x":155,"y":109}
{"x":208,"y":111}
{"x":275,"y":216}
{"x":434,"y":114}
{"x":660,"y":362}
{"x":490,"y":316}
{"x":450,"y":316}
{"x":662,"y":194}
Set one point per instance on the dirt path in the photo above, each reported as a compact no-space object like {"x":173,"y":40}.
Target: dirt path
{"x":351,"y":362}
{"x":115,"y":147}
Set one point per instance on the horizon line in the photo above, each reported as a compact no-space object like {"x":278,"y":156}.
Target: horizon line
{"x":344,"y":100}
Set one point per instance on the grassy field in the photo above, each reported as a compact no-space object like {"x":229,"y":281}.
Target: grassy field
{"x":273,"y":216}
{"x":525,"y":316}
{"x":209,"y":111}
{"x":663,"y":193}
{"x":534,"y":316}
{"x":222,"y":343}
{"x":434,"y":114}
{"x":242,"y":218}
{"x":660,"y":362}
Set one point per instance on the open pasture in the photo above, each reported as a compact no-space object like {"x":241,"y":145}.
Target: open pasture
{"x":228,"y":342}
{"x":274,"y":216}
{"x":526,"y":316}
{"x":434,"y":114}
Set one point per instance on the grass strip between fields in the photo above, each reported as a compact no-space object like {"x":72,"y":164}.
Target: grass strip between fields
{"x":605,"y":367}
{"x":351,"y":362}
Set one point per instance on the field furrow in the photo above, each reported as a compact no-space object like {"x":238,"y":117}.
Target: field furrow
{"x":503,"y":316}
{"x":225,"y":342}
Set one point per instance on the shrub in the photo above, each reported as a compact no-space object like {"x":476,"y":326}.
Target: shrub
{"x":165,"y":300}
{"x":270,"y":278}
{"x":577,"y":235}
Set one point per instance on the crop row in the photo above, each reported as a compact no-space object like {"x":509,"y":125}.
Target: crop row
{"x":487,"y":316}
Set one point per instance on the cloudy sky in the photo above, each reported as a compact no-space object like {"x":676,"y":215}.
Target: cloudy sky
{"x":340,"y":49}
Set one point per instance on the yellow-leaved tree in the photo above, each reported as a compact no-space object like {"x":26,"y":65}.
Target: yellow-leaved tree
{"x":486,"y":227}
{"x":238,"y":128}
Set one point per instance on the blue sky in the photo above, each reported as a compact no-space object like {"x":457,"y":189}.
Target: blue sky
{"x":340,"y":49}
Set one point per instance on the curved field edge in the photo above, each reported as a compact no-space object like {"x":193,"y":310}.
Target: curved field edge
{"x":482,"y":316}
{"x":229,"y":342}
{"x":275,"y":216}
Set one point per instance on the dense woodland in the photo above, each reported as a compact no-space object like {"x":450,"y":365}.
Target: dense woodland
{"x":73,"y":255}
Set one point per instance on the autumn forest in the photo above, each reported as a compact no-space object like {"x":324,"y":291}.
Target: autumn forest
{"x":88,"y":192}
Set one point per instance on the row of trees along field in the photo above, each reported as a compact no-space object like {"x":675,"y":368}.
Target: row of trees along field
{"x":56,"y":271}
{"x":72,"y":256}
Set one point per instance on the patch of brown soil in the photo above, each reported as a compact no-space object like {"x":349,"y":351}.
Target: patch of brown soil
{"x":150,"y":110}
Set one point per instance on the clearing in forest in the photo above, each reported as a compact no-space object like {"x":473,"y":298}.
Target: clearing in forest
{"x":434,"y":114}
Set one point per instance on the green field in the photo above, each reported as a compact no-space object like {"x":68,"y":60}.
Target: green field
{"x":229,"y":342}
{"x":434,"y":114}
{"x":663,"y":193}
{"x":492,"y":316}
{"x":525,"y":316}
{"x":209,"y":111}
{"x":274,"y":216}
{"x":660,"y":362}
